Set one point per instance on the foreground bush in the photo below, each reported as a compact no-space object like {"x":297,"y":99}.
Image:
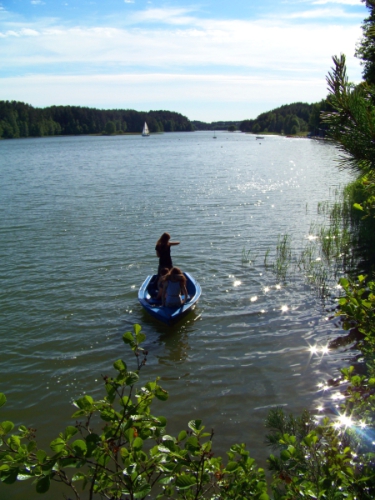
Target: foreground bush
{"x":133,"y":457}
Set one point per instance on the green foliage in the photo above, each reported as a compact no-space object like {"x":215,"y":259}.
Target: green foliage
{"x":287,"y":119}
{"x":131,"y":456}
{"x":316,"y":461}
{"x":220,"y":125}
{"x":110,"y":128}
{"x":18,"y":119}
{"x":352,"y":123}
{"x":357,"y":308}
{"x":366,"y":48}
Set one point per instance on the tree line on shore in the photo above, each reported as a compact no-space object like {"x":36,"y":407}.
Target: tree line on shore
{"x":18,"y":119}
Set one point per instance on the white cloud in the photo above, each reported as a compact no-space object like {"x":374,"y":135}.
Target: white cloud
{"x":274,"y":61}
{"x":164,"y":15}
{"x":37,"y":2}
{"x":28,"y":32}
{"x":129,"y":1}
{"x":242,"y":44}
{"x":342,"y":2}
{"x":180,"y":92}
{"x":329,"y":13}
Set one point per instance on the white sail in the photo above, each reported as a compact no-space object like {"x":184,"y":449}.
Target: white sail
{"x":145,"y":131}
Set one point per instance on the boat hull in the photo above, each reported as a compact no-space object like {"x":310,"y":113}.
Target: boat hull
{"x":168,"y":315}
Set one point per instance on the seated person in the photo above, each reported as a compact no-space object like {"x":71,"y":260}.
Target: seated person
{"x":163,"y":272}
{"x":173,"y":287}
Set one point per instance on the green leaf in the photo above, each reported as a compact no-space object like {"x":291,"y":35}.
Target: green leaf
{"x":232,"y":466}
{"x":6,"y":427}
{"x":182,"y":435}
{"x":185,"y":481}
{"x":111,"y":392}
{"x":194,"y":425}
{"x":14,"y":441}
{"x":264,"y":496}
{"x":119,"y":365}
{"x":138,"y":443}
{"x":192,"y":444}
{"x":161,"y":394}
{"x":92,"y":442}
{"x":141,"y":337}
{"x":41,"y":456}
{"x":344,"y":282}
{"x":42,"y":486}
{"x":132,"y":378}
{"x":3,"y":399}
{"x":137,"y":328}
{"x":78,"y":476}
{"x":163,"y":449}
{"x":357,"y":206}
{"x":143,"y":491}
{"x":84,"y":403}
{"x":160,"y":422}
{"x":128,"y":338}
{"x":165,"y":480}
{"x":31,"y":446}
{"x":206,"y":447}
{"x":79,"y":447}
{"x":57,"y":445}
{"x":10,"y":477}
{"x":70,"y":431}
{"x":125,"y":401}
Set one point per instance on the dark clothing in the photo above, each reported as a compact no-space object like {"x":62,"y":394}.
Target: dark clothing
{"x":165,"y":260}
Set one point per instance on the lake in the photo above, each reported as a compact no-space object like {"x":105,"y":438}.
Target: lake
{"x":80,"y":217}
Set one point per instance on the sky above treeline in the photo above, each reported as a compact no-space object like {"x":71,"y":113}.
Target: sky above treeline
{"x":209,"y":60}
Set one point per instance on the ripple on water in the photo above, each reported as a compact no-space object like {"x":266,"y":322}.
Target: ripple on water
{"x":80,"y":219}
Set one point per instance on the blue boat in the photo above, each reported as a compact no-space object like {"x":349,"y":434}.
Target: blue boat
{"x":168,"y":315}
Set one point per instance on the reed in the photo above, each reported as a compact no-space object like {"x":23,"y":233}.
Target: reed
{"x":266,"y":258}
{"x":247,"y":257}
{"x":283,"y":256}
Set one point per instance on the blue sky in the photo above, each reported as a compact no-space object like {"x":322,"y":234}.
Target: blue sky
{"x":208,"y":60}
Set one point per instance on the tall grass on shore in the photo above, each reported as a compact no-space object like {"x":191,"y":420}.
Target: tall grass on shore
{"x":327,"y":255}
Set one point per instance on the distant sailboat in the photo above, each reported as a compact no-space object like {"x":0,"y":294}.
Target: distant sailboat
{"x":214,"y":137}
{"x":145,"y":131}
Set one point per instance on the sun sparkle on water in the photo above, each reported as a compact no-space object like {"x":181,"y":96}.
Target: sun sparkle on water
{"x":343,"y":421}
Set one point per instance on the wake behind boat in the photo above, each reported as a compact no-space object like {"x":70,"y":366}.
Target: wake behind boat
{"x":168,"y":315}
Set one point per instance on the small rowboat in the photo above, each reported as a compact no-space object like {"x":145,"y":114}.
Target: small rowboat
{"x":168,"y":315}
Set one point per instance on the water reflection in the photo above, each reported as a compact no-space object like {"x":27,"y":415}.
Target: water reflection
{"x":172,"y":341}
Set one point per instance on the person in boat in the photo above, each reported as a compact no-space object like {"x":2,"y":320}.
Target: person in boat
{"x":160,"y":283}
{"x":163,"y":251}
{"x":173,"y":287}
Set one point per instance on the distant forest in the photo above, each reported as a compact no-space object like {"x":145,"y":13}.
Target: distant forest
{"x":215,"y":125}
{"x":18,"y":119}
{"x":290,"y":119}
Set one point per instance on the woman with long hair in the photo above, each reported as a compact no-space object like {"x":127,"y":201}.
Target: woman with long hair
{"x":163,"y":251}
{"x":174,"y":287}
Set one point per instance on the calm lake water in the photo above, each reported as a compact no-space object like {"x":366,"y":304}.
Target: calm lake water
{"x":79,"y":219}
